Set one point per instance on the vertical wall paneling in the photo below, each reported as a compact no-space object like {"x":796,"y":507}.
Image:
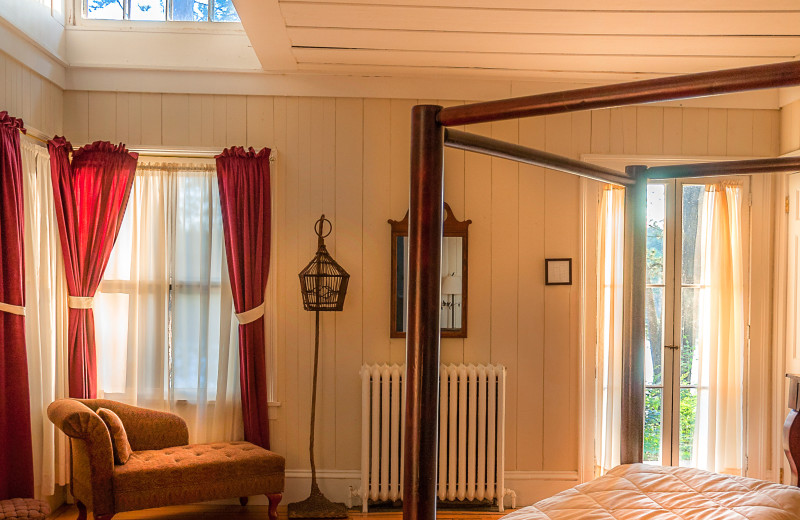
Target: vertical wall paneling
{"x":376,"y":213}
{"x":36,"y":103}
{"x":259,"y":121}
{"x":219,"y":119}
{"x":151,"y":121}
{"x":3,"y":78}
{"x":235,"y":121}
{"x":740,"y":132}
{"x":478,"y":208}
{"x":300,"y":109}
{"x":102,"y":115}
{"x":695,"y":131}
{"x":650,"y":130}
{"x":326,"y":148}
{"x":601,"y":121}
{"x":673,"y":130}
{"x":175,"y":110}
{"x":76,"y":116}
{"x":561,"y":198}
{"x":312,"y":117}
{"x":531,"y":291}
{"x":505,"y":275}
{"x":26,"y":95}
{"x":717,"y":131}
{"x":286,"y":360}
{"x":349,"y":247}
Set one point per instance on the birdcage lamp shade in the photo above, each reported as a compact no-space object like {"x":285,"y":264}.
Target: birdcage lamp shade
{"x":323,"y":283}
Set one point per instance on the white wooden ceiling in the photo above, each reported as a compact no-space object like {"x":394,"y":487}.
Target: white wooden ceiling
{"x":587,"y":40}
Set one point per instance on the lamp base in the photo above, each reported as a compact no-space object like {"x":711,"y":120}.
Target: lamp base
{"x":317,"y":506}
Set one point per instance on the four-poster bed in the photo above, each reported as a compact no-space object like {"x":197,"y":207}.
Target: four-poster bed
{"x":425,"y":231}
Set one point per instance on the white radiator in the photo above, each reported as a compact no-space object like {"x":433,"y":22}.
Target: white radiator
{"x":471,"y":433}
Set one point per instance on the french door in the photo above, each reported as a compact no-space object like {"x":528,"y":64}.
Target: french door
{"x":673,"y":317}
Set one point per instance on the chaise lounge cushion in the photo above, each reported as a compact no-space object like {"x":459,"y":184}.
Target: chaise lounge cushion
{"x":119,"y":438}
{"x":194,"y":473}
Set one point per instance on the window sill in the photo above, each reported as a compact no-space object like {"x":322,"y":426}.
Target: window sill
{"x":144,"y":26}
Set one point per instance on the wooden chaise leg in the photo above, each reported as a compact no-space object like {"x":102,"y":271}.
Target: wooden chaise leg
{"x":243,"y":500}
{"x":81,"y":510}
{"x":274,"y":500}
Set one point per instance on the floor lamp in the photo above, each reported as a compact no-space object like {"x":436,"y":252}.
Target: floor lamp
{"x":323,"y":284}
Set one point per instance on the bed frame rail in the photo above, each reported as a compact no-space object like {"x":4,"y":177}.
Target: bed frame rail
{"x":425,"y":231}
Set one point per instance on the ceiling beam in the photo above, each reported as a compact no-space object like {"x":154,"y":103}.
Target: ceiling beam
{"x":266,"y":28}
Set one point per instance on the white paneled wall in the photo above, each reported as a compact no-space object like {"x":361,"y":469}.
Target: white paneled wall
{"x":349,"y":158}
{"x":790,"y":127}
{"x":25,"y":94}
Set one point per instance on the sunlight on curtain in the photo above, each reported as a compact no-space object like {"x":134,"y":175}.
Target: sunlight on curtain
{"x":611,"y":230}
{"x":718,"y":435}
{"x":46,"y":320}
{"x":164,"y":308}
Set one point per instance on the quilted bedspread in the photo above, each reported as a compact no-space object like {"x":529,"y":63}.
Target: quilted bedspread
{"x":644,"y":492}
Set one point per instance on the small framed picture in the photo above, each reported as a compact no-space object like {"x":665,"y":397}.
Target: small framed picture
{"x":558,"y":271}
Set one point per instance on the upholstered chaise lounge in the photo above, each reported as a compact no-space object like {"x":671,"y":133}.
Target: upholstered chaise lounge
{"x":163,"y":468}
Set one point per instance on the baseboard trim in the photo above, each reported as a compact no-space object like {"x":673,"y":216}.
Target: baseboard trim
{"x":337,"y":474}
{"x":541,"y":475}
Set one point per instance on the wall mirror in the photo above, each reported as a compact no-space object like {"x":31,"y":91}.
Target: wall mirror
{"x":453,"y":311}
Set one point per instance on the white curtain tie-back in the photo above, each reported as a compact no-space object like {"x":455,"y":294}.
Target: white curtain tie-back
{"x":12,"y":309}
{"x":80,"y":302}
{"x":251,"y":315}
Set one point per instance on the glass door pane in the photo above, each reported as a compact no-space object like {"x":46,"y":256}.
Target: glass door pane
{"x":655,"y":306}
{"x":690,"y":294}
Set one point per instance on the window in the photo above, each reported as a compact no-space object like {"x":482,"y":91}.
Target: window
{"x":167,"y":336}
{"x":694,"y":323}
{"x":161,"y":10}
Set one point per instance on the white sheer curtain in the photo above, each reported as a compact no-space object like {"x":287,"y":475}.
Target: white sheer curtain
{"x":718,"y":434}
{"x":164,"y":307}
{"x":46,"y":319}
{"x":611,"y":228}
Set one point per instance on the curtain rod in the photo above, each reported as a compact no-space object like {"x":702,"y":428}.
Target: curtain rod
{"x":154,"y":151}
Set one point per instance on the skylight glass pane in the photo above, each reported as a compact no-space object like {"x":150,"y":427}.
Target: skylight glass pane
{"x":224,"y":11}
{"x":104,"y":9}
{"x":148,"y":10}
{"x":189,"y":11}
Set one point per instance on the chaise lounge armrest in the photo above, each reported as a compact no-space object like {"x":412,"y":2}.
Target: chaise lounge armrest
{"x":92,"y":457}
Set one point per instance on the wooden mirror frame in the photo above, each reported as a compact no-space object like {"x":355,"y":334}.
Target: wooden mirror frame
{"x":452,"y":228}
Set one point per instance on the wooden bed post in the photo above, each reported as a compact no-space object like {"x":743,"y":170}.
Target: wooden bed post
{"x":424,"y":287}
{"x":634,"y":266}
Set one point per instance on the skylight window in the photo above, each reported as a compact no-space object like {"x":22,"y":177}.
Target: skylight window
{"x":162,"y":10}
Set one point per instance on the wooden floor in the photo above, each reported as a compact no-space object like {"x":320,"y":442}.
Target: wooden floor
{"x":225,"y":512}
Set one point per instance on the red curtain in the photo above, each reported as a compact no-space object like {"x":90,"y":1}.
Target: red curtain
{"x":90,"y":198}
{"x":16,"y":452}
{"x":244,"y":191}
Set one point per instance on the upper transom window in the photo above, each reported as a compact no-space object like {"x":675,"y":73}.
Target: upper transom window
{"x":161,"y":10}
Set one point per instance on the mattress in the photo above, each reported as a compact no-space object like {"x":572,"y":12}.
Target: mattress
{"x":644,"y":492}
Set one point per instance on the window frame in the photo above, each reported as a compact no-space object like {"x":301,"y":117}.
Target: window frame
{"x":203,"y":156}
{"x":81,"y":8}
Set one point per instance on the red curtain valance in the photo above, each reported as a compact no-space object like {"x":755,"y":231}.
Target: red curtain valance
{"x":16,"y":452}
{"x":244,"y":192}
{"x":90,"y":194}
